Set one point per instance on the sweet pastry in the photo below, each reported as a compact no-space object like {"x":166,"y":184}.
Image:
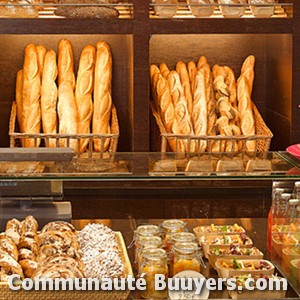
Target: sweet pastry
{"x":26,"y":254}
{"x":83,"y":92}
{"x":54,"y":271}
{"x":102,"y":95}
{"x":101,"y":254}
{"x":7,"y":245}
{"x":29,"y":243}
{"x":65,"y":260}
{"x":9,"y":266}
{"x":59,"y":226}
{"x":29,"y":267}
{"x":62,"y":239}
{"x":29,"y":226}
{"x":13,"y":230}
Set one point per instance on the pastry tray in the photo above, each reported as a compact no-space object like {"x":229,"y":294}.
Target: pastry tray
{"x":7,"y":293}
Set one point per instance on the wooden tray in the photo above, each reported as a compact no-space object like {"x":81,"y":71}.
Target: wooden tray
{"x":7,"y":294}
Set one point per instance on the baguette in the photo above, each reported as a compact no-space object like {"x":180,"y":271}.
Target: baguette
{"x":164,"y":70}
{"x":154,"y":75}
{"x":41,"y":52}
{"x":192,"y":69}
{"x":102,"y":94}
{"x":65,"y":63}
{"x":246,"y":111}
{"x":181,"y":69}
{"x":31,"y":110}
{"x":19,"y":91}
{"x":201,"y":61}
{"x":182,"y":122}
{"x":83,"y":92}
{"x":244,"y":90}
{"x":67,"y":114}
{"x":49,"y":97}
{"x":199,"y":116}
{"x":165,"y":103}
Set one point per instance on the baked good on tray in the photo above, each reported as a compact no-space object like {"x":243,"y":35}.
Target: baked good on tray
{"x":51,"y":100}
{"x":59,"y":251}
{"x":196,"y":100}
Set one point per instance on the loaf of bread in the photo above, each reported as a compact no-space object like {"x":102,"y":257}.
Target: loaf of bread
{"x":182,"y":122}
{"x":41,"y":51}
{"x":199,"y":115}
{"x":49,"y":97}
{"x":192,"y":69}
{"x":164,"y":70}
{"x":165,"y":102}
{"x":154,"y":75}
{"x":67,"y":114}
{"x":31,"y":110}
{"x":102,"y":94}
{"x":246,"y":111}
{"x":65,"y":63}
{"x":201,"y":61}
{"x":83,"y":92}
{"x":19,"y":91}
{"x":182,"y":70}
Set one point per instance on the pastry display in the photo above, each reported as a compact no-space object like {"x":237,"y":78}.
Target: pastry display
{"x":100,"y":252}
{"x":50,"y":99}
{"x":59,"y":251}
{"x":203,"y":107}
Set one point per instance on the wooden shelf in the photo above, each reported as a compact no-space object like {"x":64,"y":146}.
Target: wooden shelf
{"x":66,"y":26}
{"x":211,"y":25}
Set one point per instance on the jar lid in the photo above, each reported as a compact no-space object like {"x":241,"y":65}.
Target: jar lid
{"x":286,"y":196}
{"x":150,"y":240}
{"x":172,"y":224}
{"x":154,"y":254}
{"x":147,"y":230}
{"x":186,"y":248}
{"x":294,"y":201}
{"x":180,"y":237}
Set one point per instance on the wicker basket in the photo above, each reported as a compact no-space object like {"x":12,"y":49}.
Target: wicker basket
{"x":262,"y":137}
{"x":16,"y":137}
{"x":7,"y":294}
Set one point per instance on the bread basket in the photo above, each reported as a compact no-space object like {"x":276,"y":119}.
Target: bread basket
{"x":16,"y":137}
{"x":169,"y":142}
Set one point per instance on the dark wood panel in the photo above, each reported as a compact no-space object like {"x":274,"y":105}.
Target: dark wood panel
{"x":11,"y":60}
{"x":188,"y":26}
{"x":204,"y":203}
{"x":66,"y":26}
{"x":280,"y":126}
{"x":279,"y":74}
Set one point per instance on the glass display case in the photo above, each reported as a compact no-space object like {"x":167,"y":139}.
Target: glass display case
{"x":141,"y":182}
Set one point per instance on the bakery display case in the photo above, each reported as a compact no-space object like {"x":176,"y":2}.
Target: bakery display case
{"x":140,"y":181}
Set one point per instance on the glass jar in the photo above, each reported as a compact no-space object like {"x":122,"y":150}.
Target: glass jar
{"x":144,"y":243}
{"x":164,"y":10}
{"x":154,"y":261}
{"x":170,"y":227}
{"x":186,"y":257}
{"x":143,"y":231}
{"x":180,"y":237}
{"x":201,"y":8}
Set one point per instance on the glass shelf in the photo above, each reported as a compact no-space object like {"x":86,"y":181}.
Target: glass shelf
{"x":157,"y":167}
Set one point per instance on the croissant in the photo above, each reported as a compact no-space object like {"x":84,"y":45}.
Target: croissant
{"x":26,"y":254}
{"x":29,"y":267}
{"x":13,"y":230}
